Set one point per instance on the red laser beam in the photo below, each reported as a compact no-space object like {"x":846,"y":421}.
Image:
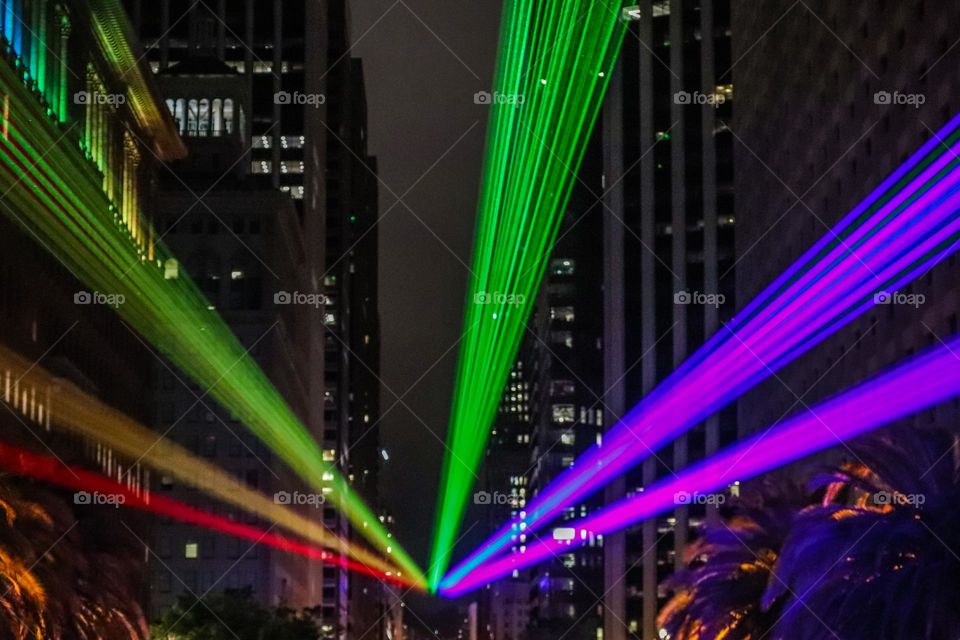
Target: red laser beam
{"x":48,"y":469}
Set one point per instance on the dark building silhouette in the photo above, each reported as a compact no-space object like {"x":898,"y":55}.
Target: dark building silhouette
{"x":668,"y":249}
{"x":298,"y":112}
{"x":863,"y":86}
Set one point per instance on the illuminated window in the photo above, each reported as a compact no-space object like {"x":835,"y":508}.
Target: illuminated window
{"x":564,"y":338}
{"x":228,"y":115}
{"x":193,"y":115}
{"x":217,"y":117}
{"x":563,"y":314}
{"x":563,"y":267}
{"x":191,"y":551}
{"x":203,"y":118}
{"x":179,"y":114}
{"x":564,"y":413}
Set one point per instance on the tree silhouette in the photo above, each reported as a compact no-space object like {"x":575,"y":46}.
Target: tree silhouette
{"x":233,"y":614}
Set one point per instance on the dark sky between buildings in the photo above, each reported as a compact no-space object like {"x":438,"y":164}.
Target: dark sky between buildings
{"x":424,"y":60}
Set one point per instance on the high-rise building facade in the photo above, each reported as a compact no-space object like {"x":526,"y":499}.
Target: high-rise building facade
{"x":863,"y":87}
{"x":298,"y":111}
{"x":565,"y":344}
{"x":668,"y":251}
{"x":280,"y":50}
{"x":641,"y":275}
{"x":504,"y":605}
{"x":243,"y":244}
{"x":81,"y":135}
{"x":551,"y":411}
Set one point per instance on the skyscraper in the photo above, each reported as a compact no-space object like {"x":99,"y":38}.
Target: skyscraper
{"x":817,"y":130}
{"x":643,"y":272}
{"x":300,"y":112}
{"x":243,"y":244}
{"x":668,"y":251}
{"x":551,"y":411}
{"x":565,"y":342}
{"x":504,"y":606}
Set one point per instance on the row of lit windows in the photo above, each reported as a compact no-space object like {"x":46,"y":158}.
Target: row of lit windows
{"x":258,"y":66}
{"x":35,"y":405}
{"x":286,"y":142}
{"x":286,"y":166}
{"x":24,"y":399}
{"x":562,"y":314}
{"x":204,"y":117}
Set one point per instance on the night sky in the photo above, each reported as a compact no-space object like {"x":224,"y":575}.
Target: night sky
{"x":424,"y":60}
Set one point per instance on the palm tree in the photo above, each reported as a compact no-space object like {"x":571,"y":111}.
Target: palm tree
{"x":23,"y":599}
{"x":59,"y":580}
{"x":878,"y":560}
{"x":731,"y":566}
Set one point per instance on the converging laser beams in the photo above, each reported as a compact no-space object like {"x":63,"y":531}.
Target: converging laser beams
{"x":48,"y":469}
{"x":75,"y":411}
{"x":556,"y":57}
{"x":898,"y":233}
{"x":914,"y":385}
{"x":57,"y":196}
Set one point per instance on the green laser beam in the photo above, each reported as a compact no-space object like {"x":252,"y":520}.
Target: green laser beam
{"x":555,"y":60}
{"x":57,"y":195}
